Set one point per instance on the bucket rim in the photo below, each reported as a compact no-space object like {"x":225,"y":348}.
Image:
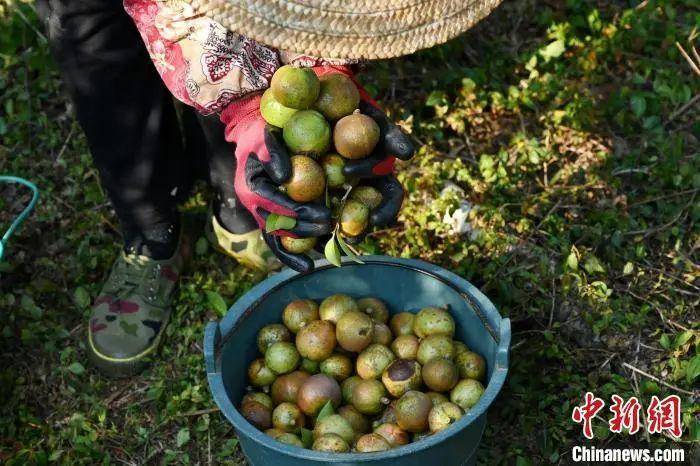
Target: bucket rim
{"x":216,"y":333}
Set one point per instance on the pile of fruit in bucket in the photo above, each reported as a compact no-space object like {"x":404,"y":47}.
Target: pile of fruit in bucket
{"x":322,"y":127}
{"x":343,"y":377}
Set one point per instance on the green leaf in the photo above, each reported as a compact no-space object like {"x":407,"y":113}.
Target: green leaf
{"x":307,"y":437}
{"x":638,"y":104}
{"x":665,"y":341}
{"x":216,"y":302}
{"x":200,"y":248}
{"x":276,"y":222}
{"x":572,"y":261}
{"x":76,"y":368}
{"x":682,"y":338}
{"x":693,"y":370}
{"x":332,"y":252}
{"x":183,"y":436}
{"x":326,"y":411}
{"x":629,"y":268}
{"x":348,"y":252}
{"x":553,"y":50}
{"x":81,"y":297}
{"x":593,"y":265}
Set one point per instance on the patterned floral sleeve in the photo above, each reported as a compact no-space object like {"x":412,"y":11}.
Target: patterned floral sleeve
{"x":202,"y":63}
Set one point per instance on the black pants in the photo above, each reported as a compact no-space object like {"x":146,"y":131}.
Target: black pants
{"x":146,"y":160}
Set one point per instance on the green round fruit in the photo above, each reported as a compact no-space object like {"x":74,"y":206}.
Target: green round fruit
{"x":286,"y":387}
{"x":288,"y":417}
{"x":393,"y":434}
{"x":354,"y":218}
{"x":295,"y":87}
{"x":382,"y":334}
{"x":437,"y":398}
{"x":435,"y":346}
{"x":270,"y":334}
{"x":333,"y":167}
{"x":433,"y":321}
{"x":330,"y":443}
{"x":316,"y":391}
{"x":402,"y":324}
{"x":372,"y":443}
{"x":259,"y":374}
{"x":307,"y":132}
{"x":369,"y":397}
{"x":354,"y":331}
{"x":460,"y":348}
{"x":367,"y":195}
{"x":443,"y":416}
{"x":274,"y":112}
{"x":373,"y":307}
{"x":440,"y":375}
{"x":259,"y":397}
{"x":299,"y":313}
{"x":471,"y":365}
{"x":360,"y":424}
{"x":307,"y":181}
{"x":298,"y":245}
{"x":372,"y":361}
{"x":466,"y":393}
{"x":347,"y":386}
{"x":257,"y":414}
{"x":338,"y":366}
{"x":405,"y":347}
{"x":282,"y":357}
{"x":412,"y":411}
{"x":401,"y":376}
{"x":355,"y":136}
{"x":316,"y":341}
{"x":338,"y":96}
{"x":335,"y":306}
{"x":334,"y":424}
{"x":290,"y":439}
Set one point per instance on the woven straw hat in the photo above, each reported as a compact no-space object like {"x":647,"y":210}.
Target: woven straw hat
{"x":363,"y":29}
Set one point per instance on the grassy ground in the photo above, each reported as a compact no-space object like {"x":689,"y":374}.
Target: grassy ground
{"x":569,"y":131}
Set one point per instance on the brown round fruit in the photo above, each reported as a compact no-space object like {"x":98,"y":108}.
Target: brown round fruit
{"x":466,"y":393}
{"x":354,"y":218}
{"x":316,"y":391}
{"x":257,"y":414}
{"x":367,"y":195}
{"x":372,"y":361}
{"x":335,"y":306}
{"x":299,"y":313}
{"x":298,"y":245}
{"x":316,"y":341}
{"x":338,"y":366}
{"x":307,"y":181}
{"x":270,"y":334}
{"x":354,"y":331}
{"x":259,"y":397}
{"x":435,"y":346}
{"x":371,"y":443}
{"x":405,"y":347}
{"x":471,"y":365}
{"x":360,"y":424}
{"x":307,"y":132}
{"x":288,"y":417}
{"x":295,"y":87}
{"x":355,"y":136}
{"x":382,"y":334}
{"x":401,"y":376}
{"x":443,"y":416}
{"x":334,"y":424}
{"x":440,"y":375}
{"x":433,"y":321}
{"x":282,"y":357}
{"x":393,"y":434}
{"x":369,"y":397}
{"x":347,"y":386}
{"x":331,"y":443}
{"x":286,"y":387}
{"x":402,"y":324}
{"x":373,"y":307}
{"x":338,"y":96}
{"x":259,"y":374}
{"x":412,"y":411}
{"x":333,"y":165}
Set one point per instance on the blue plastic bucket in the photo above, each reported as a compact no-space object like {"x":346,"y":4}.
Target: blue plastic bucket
{"x":405,"y":285}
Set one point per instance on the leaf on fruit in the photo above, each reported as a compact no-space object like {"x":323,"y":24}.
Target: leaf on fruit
{"x":307,"y":437}
{"x":348,"y":250}
{"x":276,"y":222}
{"x":332,"y":252}
{"x":326,"y":411}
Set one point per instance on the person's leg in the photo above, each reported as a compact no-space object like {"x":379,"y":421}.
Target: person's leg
{"x":127,"y":115}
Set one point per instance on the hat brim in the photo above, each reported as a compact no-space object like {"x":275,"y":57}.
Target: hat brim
{"x":356,"y":29}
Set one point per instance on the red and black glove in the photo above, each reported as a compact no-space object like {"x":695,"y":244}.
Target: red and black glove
{"x":262,"y":164}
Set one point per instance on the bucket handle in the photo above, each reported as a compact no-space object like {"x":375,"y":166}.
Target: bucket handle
{"x":24,"y":214}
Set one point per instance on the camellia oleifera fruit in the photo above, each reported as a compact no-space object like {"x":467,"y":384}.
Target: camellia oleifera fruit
{"x":298,"y":245}
{"x":335,"y":306}
{"x":299,"y":313}
{"x":307,"y":181}
{"x":316,"y":341}
{"x":338,"y":96}
{"x":316,"y":391}
{"x":296,"y":88}
{"x":307,"y":132}
{"x":274,"y":112}
{"x":354,"y":218}
{"x":354,"y":331}
{"x":355,"y":136}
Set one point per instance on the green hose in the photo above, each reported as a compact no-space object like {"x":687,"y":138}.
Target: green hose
{"x":24,"y":214}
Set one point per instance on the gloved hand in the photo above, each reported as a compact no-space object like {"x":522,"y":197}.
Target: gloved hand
{"x":262,"y":164}
{"x":377,"y":169}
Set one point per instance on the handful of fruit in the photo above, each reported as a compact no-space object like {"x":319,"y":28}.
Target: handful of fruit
{"x":343,"y":377}
{"x":323,"y":128}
